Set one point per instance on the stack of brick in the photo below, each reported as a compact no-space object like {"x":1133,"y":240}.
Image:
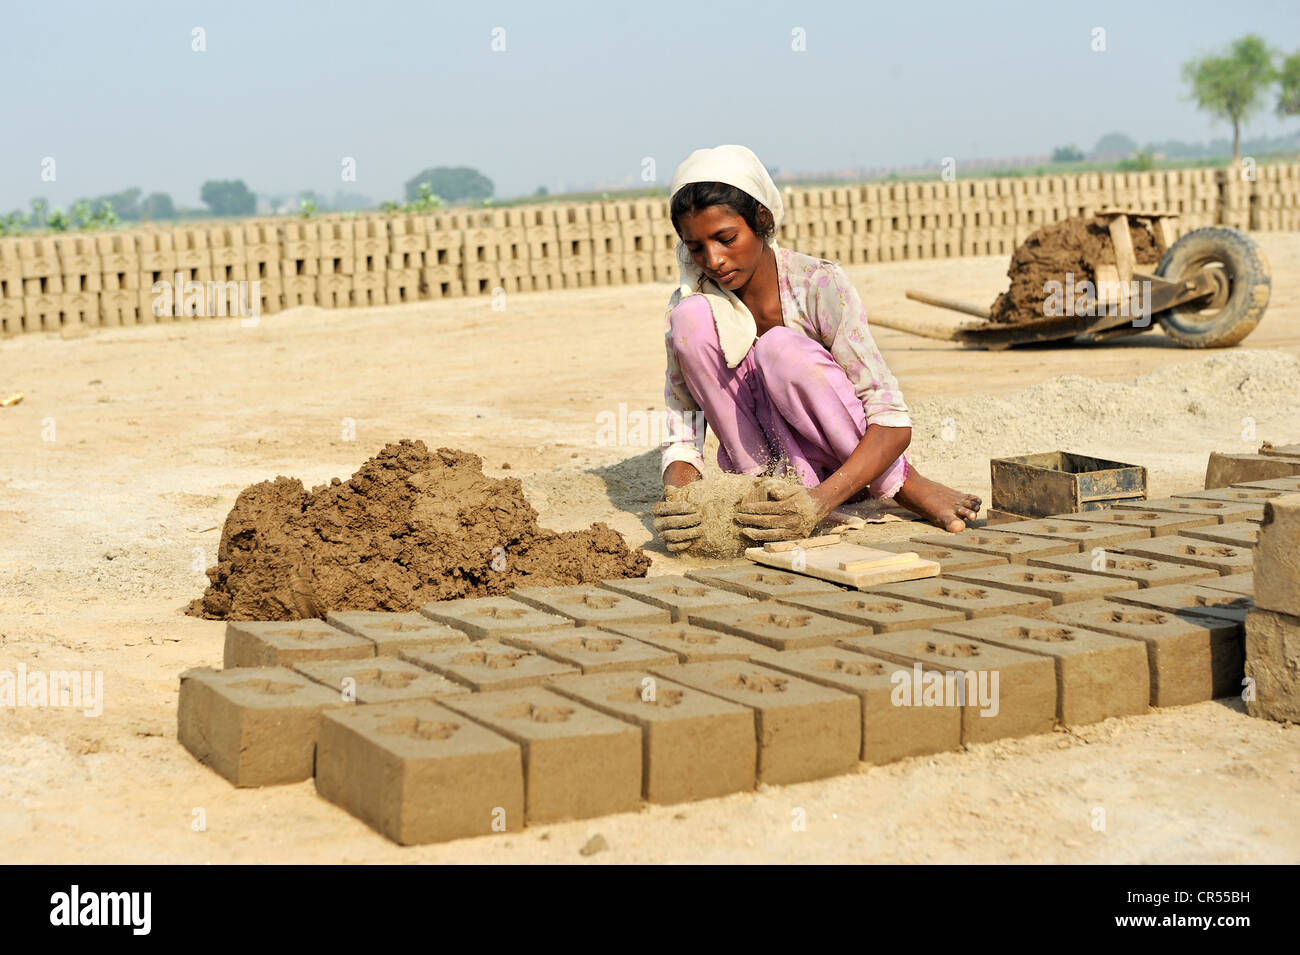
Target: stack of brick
{"x":481,"y":263}
{"x":408,"y":240}
{"x":440,"y":269}
{"x":156,"y":257}
{"x":119,"y":296}
{"x":11,"y":288}
{"x":81,"y":273}
{"x":893,"y":210}
{"x":1042,"y":203}
{"x":1278,"y":190}
{"x":300,"y":261}
{"x":641,"y":233}
{"x":607,"y":244}
{"x":336,"y":242}
{"x":1235,"y":193}
{"x":42,"y":283}
{"x":262,"y":264}
{"x":1088,"y":192}
{"x":370,"y":246}
{"x":866,"y":223}
{"x":577,"y":252}
{"x":1273,"y":627}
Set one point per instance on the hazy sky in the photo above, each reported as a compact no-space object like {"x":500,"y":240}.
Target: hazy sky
{"x":584,"y":91}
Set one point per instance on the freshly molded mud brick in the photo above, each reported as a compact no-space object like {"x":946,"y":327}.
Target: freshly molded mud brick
{"x":1291,"y":484}
{"x":1222,"y":511}
{"x":1257,"y":495}
{"x":594,"y":651}
{"x":490,"y":665}
{"x":1159,"y":523}
{"x":482,"y":617}
{"x":804,"y":731}
{"x":419,"y":772}
{"x":1014,"y":547}
{"x":677,"y":594}
{"x":1059,"y":586}
{"x":1273,"y":663}
{"x":693,"y":745}
{"x":1196,"y":599}
{"x":1087,"y":536}
{"x":381,"y":680}
{"x":390,"y":632}
{"x":284,"y":643}
{"x":1277,"y":558}
{"x":1225,"y":469}
{"x":763,"y":583}
{"x":876,"y":613}
{"x":1144,"y":570}
{"x":1000,"y":692}
{"x":972,"y":600}
{"x":591,"y":605}
{"x":1190,"y":658}
{"x":1235,"y":534}
{"x":578,"y":762}
{"x":1224,"y":558}
{"x":1097,"y":675}
{"x":949,"y":558}
{"x":1242,"y":584}
{"x":689,"y":643}
{"x":256,"y":726}
{"x":779,"y":625}
{"x":892,"y":728}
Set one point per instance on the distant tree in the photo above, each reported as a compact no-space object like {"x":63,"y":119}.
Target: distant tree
{"x":542,"y":191}
{"x":1114,"y":144}
{"x":228,"y":197}
{"x":40,"y":209}
{"x":157,"y":206}
{"x":452,"y":183}
{"x":1288,"y":101}
{"x":1231,"y":86}
{"x":1070,"y":153}
{"x":125,"y":204}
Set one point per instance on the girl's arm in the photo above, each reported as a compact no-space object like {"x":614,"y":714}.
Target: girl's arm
{"x":878,"y":449}
{"x":684,"y":426}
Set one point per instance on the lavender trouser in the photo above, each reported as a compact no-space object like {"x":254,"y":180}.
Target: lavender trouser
{"x":788,"y":397}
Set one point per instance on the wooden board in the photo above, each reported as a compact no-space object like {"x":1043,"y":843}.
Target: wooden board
{"x":824,"y":564}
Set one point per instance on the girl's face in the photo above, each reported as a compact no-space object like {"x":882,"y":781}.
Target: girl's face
{"x":722,"y":245}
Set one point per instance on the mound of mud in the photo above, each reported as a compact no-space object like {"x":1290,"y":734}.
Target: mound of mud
{"x":1075,"y":246}
{"x":411,"y":526}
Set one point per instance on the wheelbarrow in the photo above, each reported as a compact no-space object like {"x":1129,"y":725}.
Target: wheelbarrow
{"x":1208,"y":290}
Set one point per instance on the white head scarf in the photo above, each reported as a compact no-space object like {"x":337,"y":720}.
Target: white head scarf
{"x":736,"y":166}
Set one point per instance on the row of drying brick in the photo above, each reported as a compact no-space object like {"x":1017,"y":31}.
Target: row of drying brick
{"x":885,"y":731}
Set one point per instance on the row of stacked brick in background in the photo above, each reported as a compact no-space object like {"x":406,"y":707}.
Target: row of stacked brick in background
{"x":483,"y":715}
{"x":49,"y":282}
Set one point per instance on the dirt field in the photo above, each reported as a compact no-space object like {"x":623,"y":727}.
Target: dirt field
{"x":131,"y":445}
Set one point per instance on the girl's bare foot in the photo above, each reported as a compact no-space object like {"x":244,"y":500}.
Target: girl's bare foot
{"x":937,"y":503}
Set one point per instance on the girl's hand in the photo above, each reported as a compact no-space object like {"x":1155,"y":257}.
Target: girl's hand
{"x":782,"y":512}
{"x":677,"y":522}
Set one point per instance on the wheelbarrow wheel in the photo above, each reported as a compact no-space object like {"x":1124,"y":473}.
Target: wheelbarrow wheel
{"x":1242,"y":283}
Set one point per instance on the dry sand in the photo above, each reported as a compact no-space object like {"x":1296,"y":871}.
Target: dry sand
{"x":132,"y":445}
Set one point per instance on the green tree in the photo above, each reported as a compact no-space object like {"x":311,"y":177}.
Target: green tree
{"x":1288,"y":101}
{"x":542,"y":191}
{"x":1114,"y":144}
{"x":1070,"y":153}
{"x":229,"y":197}
{"x":157,"y":206}
{"x":452,"y":183}
{"x":1231,"y":86}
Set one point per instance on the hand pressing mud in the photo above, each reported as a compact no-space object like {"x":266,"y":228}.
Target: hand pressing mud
{"x":677,"y":521}
{"x":780,"y":512}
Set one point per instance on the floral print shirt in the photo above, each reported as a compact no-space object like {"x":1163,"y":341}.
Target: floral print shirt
{"x":819,"y":301}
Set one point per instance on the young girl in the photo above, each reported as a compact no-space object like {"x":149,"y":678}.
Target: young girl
{"x":770,"y":347}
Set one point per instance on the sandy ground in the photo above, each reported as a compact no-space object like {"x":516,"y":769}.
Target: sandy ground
{"x":131,"y":445}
